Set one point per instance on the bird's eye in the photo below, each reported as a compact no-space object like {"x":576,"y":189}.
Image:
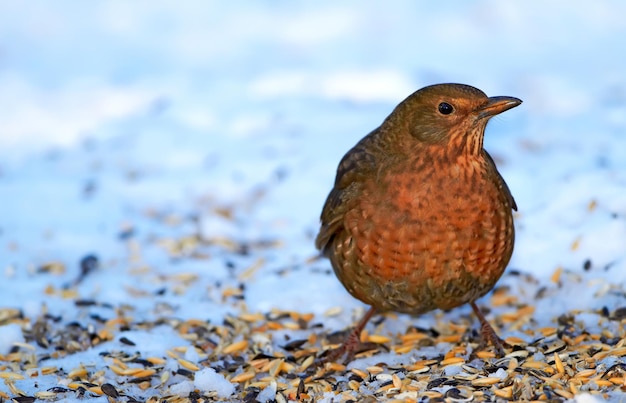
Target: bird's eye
{"x":445,"y":108}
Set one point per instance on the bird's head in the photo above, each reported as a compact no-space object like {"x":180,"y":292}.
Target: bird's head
{"x":454,"y":115}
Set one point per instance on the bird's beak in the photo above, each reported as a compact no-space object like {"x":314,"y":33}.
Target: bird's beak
{"x":497,"y":105}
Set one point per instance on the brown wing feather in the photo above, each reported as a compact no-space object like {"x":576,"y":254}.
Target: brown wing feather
{"x":356,"y":165}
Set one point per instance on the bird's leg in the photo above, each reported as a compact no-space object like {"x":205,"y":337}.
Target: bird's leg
{"x":486,"y":331}
{"x":351,"y":344}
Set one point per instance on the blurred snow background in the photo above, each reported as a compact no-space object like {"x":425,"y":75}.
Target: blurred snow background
{"x":153,"y":119}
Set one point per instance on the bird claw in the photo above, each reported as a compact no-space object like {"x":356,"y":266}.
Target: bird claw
{"x":341,"y":353}
{"x":487,"y":334}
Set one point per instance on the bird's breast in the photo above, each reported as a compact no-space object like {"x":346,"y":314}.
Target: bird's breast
{"x":434,"y":225}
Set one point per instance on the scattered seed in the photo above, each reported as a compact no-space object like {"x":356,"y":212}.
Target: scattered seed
{"x":11,"y":375}
{"x":46,"y":395}
{"x":487,"y":381}
{"x":546,"y":363}
{"x":485,"y":354}
{"x":109,"y":390}
{"x":378,"y":339}
{"x":145,"y":373}
{"x":188,"y":364}
{"x":556,"y":276}
{"x":374,"y":369}
{"x":452,"y":361}
{"x":558,"y":364}
{"x":333,"y":366}
{"x":80,"y":373}
{"x":564,"y":393}
{"x":243,"y":377}
{"x":96,"y":390}
{"x":506,"y":393}
{"x":236,"y":347}
{"x":334,"y":311}
{"x":248,"y":273}
{"x":48,"y":370}
{"x":156,"y":360}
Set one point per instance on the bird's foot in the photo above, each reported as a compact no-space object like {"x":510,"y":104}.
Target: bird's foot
{"x":342,"y":353}
{"x":351,"y":345}
{"x":345,"y":352}
{"x":487,"y":334}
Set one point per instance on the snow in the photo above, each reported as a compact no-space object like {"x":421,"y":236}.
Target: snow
{"x":452,"y":370}
{"x":208,"y":380}
{"x":192,"y":355}
{"x":586,"y":398}
{"x":163,"y":119}
{"x":183,"y":388}
{"x":268,"y":394}
{"x":500,"y":373}
{"x":9,"y":335}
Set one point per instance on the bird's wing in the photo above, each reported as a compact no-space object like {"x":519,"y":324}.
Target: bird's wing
{"x":501,"y":183}
{"x":354,"y":168}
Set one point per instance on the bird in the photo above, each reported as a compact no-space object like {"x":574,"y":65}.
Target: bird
{"x":419,"y":218}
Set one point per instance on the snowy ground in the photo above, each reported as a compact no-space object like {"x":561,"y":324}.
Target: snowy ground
{"x":128,"y":129}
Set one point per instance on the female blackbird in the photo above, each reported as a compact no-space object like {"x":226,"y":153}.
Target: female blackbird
{"x":419,"y":217}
